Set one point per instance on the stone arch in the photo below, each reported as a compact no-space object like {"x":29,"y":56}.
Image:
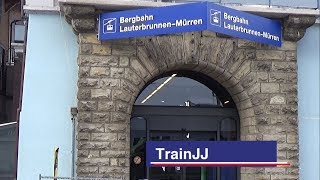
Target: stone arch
{"x":226,"y":64}
{"x":229,"y":66}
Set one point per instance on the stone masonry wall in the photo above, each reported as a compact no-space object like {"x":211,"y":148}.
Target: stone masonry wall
{"x":261,"y":79}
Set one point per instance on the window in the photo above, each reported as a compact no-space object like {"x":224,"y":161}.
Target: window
{"x":184,"y":89}
{"x":18,"y":33}
{"x":177,"y":91}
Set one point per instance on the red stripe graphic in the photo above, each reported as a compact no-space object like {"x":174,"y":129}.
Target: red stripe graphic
{"x":242,"y":164}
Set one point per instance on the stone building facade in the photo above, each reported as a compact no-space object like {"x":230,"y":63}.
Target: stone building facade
{"x":261,"y":79}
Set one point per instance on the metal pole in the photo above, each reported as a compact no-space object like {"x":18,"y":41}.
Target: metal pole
{"x":74,"y":112}
{"x":269,"y":3}
{"x":218,"y":139}
{"x":73,"y":147}
{"x":55,"y":164}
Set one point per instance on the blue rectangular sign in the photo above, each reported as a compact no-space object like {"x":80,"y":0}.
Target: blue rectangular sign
{"x":187,"y":18}
{"x":211,"y":153}
{"x":153,"y":21}
{"x":243,"y":25}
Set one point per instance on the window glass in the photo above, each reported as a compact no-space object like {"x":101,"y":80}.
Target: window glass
{"x":177,"y":91}
{"x":18,"y":33}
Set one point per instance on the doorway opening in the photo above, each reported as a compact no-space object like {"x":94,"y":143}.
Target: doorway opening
{"x":182,"y":106}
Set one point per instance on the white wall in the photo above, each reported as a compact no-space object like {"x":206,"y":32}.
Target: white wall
{"x":49,"y":3}
{"x":48,"y":94}
{"x":308,"y":103}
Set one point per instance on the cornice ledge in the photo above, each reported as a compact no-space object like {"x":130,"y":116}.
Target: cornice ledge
{"x":295,"y":26}
{"x":83,"y":19}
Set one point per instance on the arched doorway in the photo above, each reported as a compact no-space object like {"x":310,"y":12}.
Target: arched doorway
{"x":182,"y":106}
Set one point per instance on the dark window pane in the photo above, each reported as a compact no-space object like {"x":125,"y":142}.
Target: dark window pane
{"x":19,"y":31}
{"x":228,"y":131}
{"x":177,"y":91}
{"x":228,"y":173}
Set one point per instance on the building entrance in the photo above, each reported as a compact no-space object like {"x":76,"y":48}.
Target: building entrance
{"x":196,"y":118}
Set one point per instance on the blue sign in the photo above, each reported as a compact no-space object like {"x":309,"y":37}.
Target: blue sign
{"x":153,"y":21}
{"x":187,"y":18}
{"x":243,"y":25}
{"x":212,"y":153}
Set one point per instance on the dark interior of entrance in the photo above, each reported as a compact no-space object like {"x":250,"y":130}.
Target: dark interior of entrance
{"x":182,"y":106}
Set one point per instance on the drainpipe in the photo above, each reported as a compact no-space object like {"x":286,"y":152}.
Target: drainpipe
{"x":74,"y":112}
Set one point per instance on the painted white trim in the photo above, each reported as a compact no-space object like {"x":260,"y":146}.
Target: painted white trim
{"x":279,"y":164}
{"x":272,"y":12}
{"x":118,"y":4}
{"x":276,"y":12}
{"x":41,"y":9}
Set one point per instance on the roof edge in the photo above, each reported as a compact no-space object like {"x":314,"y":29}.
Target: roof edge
{"x":115,"y":5}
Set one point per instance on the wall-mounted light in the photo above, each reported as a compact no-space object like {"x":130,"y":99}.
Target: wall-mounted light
{"x":226,"y":102}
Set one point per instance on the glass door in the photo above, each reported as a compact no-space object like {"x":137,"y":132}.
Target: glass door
{"x":180,"y":124}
